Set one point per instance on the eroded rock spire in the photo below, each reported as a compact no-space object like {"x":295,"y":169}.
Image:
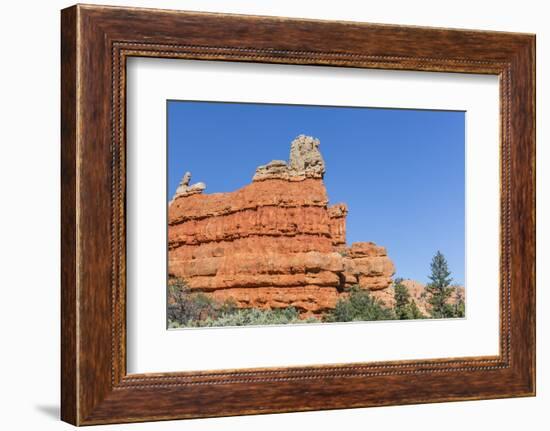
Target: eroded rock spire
{"x":305,"y":161}
{"x":184,"y":189}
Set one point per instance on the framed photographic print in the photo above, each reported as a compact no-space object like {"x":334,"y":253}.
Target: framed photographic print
{"x":265,"y":215}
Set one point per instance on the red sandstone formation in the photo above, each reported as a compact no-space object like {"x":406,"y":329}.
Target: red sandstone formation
{"x":273,"y":243}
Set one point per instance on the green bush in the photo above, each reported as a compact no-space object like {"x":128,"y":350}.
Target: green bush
{"x":184,"y":306}
{"x":459,"y":307}
{"x":188,"y":309}
{"x":359,"y":306}
{"x":255,"y":316}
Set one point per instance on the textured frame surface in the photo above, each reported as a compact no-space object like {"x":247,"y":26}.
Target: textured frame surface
{"x":96,"y":41}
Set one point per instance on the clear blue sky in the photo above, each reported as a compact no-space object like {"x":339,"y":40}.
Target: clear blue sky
{"x":401,"y":172}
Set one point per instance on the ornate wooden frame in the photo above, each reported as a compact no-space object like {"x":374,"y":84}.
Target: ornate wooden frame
{"x":95,"y":43}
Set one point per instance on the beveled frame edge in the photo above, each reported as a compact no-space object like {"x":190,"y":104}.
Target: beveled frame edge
{"x":95,"y":43}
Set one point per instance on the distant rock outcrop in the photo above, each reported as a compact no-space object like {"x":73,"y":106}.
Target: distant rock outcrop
{"x":273,"y":243}
{"x":418,"y":294}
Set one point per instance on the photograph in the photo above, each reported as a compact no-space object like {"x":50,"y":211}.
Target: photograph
{"x":296,"y":214}
{"x":303,"y":214}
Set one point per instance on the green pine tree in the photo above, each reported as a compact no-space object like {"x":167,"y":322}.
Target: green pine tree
{"x":405,"y":307}
{"x":402,"y":299}
{"x":439,"y":289}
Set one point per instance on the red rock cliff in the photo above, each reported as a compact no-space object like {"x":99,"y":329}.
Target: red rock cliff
{"x":273,"y":243}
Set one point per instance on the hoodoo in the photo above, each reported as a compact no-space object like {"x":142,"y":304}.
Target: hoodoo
{"x":275,"y":242}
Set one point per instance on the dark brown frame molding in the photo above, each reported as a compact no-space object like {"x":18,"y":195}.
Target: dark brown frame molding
{"x":95,"y":43}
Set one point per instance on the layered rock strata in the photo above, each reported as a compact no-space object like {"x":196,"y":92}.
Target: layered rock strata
{"x":275,"y":242}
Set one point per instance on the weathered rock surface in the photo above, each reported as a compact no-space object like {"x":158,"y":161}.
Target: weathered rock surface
{"x":305,"y":161}
{"x":275,"y":242}
{"x":184,"y":189}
